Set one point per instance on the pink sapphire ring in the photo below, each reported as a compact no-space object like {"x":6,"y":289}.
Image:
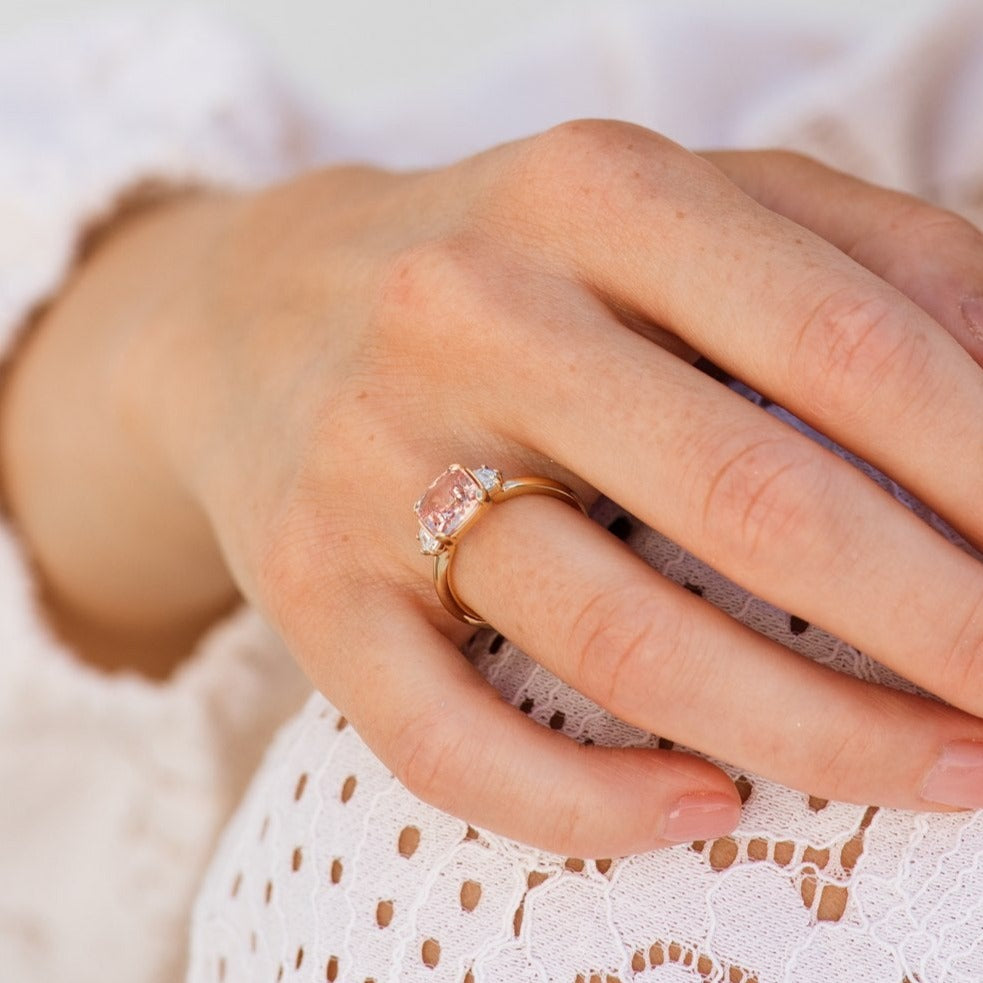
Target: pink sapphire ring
{"x":453,"y":503}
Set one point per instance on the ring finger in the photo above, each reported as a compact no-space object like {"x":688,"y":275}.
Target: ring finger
{"x":661,"y":658}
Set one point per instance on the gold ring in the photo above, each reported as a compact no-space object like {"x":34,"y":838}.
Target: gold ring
{"x":453,"y":503}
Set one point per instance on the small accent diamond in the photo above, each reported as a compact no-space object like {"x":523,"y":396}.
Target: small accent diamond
{"x":429,"y":544}
{"x":489,"y":478}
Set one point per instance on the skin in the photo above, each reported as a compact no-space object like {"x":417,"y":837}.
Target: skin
{"x":251,"y":390}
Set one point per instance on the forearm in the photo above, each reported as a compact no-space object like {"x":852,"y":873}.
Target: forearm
{"x":129,"y":569}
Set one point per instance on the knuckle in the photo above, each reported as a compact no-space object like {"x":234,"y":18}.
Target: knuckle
{"x":571,"y":828}
{"x":429,"y":751}
{"x":962,"y":662}
{"x":580,"y":160}
{"x":833,"y":762}
{"x":763,"y":497}
{"x":928,"y":253}
{"x":577,"y":138}
{"x":299,"y":567}
{"x":282,"y":578}
{"x":623,"y":642}
{"x":569,"y":146}
{"x":914,"y":230}
{"x":941,"y":224}
{"x":434,"y":287}
{"x":850,"y":345}
{"x":419,"y":275}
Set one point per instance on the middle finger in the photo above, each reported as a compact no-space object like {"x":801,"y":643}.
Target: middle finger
{"x":762,"y":503}
{"x":662,"y":658}
{"x":666,"y":235}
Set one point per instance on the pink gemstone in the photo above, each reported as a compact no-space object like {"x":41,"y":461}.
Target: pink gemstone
{"x":449,"y":502}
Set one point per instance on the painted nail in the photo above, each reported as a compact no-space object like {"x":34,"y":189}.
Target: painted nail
{"x":972,"y":310}
{"x":956,"y":779}
{"x":701,"y":816}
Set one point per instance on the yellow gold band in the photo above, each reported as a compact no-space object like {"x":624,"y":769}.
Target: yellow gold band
{"x":500,"y":491}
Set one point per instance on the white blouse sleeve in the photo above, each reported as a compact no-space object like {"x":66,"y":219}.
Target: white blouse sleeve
{"x":113,"y":788}
{"x":91,"y":109}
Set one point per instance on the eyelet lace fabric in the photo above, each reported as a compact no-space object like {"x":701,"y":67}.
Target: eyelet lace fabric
{"x":333,"y":870}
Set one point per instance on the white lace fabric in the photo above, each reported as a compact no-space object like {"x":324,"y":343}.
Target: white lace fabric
{"x":113,"y":789}
{"x":333,"y":870}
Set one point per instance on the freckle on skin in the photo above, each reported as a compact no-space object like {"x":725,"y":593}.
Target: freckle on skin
{"x":362,"y":394}
{"x":680,"y":215}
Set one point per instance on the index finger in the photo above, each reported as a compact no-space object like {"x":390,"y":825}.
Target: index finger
{"x":666,"y":235}
{"x":931,"y":254}
{"x":454,"y":742}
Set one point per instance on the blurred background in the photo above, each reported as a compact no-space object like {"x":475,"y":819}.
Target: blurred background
{"x":353,"y":51}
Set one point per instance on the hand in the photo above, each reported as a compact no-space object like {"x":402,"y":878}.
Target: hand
{"x":329,"y":346}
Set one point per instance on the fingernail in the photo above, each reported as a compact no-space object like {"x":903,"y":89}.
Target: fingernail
{"x":972,"y":309}
{"x":956,"y":779}
{"x":702,"y":816}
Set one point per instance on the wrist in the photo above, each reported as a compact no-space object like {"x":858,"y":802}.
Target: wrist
{"x":216,"y":391}
{"x":127,"y":563}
